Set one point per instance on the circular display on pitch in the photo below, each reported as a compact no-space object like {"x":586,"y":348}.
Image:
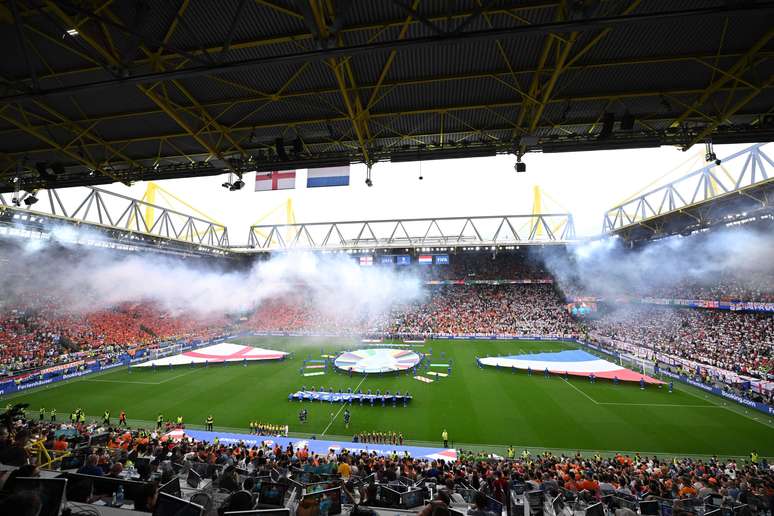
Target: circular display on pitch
{"x":378,"y":360}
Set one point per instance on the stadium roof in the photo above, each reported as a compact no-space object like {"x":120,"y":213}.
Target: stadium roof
{"x":96,"y":92}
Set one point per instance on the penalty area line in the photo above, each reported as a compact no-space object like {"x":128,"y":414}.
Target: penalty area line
{"x":119,"y":381}
{"x":657,"y":405}
{"x":342,"y":407}
{"x":580,"y":391}
{"x":132,"y":382}
{"x":734,"y":408}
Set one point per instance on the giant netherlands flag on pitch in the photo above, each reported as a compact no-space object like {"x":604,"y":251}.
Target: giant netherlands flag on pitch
{"x":276,"y":180}
{"x":327,"y":176}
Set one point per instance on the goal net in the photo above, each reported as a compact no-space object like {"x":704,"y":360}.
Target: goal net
{"x":166,"y":351}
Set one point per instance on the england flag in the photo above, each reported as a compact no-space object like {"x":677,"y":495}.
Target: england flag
{"x":276,"y":180}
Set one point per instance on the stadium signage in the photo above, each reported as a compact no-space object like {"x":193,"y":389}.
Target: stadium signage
{"x":490,"y":282}
{"x":111,"y":366}
{"x":739,"y":399}
{"x":92,"y":367}
{"x":61,"y":367}
{"x":38,"y":383}
{"x":762,"y":407}
{"x":746,"y":306}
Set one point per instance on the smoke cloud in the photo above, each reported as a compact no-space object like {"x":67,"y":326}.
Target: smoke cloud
{"x":741,"y":256}
{"x":86,"y":279}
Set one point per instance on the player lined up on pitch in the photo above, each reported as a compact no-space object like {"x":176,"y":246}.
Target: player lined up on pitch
{"x":379,"y":438}
{"x":257,"y":428}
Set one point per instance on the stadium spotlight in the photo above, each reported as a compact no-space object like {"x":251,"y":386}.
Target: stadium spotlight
{"x":520,"y":166}
{"x":368,"y":181}
{"x":30,"y":199}
{"x":231,"y":185}
{"x":420,"y":170}
{"x":709,"y":153}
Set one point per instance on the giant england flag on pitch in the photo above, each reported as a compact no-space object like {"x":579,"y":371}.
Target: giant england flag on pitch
{"x":327,"y":176}
{"x":276,"y":180}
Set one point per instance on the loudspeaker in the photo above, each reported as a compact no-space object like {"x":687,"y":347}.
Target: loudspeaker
{"x":608,"y":120}
{"x":279,"y":145}
{"x":627,"y":122}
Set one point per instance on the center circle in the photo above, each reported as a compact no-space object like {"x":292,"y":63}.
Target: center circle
{"x":377,"y":360}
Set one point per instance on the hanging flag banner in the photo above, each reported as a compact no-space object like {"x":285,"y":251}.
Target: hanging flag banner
{"x":327,"y":176}
{"x":275,"y":180}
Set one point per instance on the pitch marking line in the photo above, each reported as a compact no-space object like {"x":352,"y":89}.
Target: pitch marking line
{"x":658,"y":405}
{"x":342,"y":407}
{"x":122,"y":381}
{"x":141,"y":383}
{"x":580,"y":391}
{"x":716,"y":401}
{"x":676,"y":405}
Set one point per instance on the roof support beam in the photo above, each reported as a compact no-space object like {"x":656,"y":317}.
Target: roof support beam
{"x":167,"y":108}
{"x":245,"y":129}
{"x":22,"y":42}
{"x":496,"y":75}
{"x":347,"y":52}
{"x":163,"y":103}
{"x":22,"y":122}
{"x":745,"y":63}
{"x":352,"y":104}
{"x":390,"y":58}
{"x":564,"y":46}
{"x":729,"y":112}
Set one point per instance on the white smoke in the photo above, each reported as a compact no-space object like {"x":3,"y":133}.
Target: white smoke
{"x":606,"y":267}
{"x":85,"y":280}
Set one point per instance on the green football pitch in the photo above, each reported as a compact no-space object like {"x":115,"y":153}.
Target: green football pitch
{"x":480,"y":408}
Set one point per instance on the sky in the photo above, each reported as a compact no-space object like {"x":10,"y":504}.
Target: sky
{"x":585,"y":184}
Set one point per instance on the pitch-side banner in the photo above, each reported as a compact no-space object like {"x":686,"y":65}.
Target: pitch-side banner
{"x":746,"y":306}
{"x":488,"y":282}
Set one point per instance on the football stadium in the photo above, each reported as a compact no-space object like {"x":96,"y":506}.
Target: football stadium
{"x":299,"y":258}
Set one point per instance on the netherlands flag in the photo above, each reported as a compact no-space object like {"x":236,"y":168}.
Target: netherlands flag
{"x":426,"y":258}
{"x":327,"y":176}
{"x":276,"y":180}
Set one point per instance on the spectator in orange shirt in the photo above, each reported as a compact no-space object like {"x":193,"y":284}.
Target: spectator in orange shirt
{"x":687,"y":490}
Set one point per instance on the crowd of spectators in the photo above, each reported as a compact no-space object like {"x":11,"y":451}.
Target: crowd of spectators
{"x":296,"y":313}
{"x":159,"y":458}
{"x":729,"y":286}
{"x":475,"y":266}
{"x":531,"y":309}
{"x":734,"y":341}
{"x":525,"y":309}
{"x":755,"y":286}
{"x":47,"y":334}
